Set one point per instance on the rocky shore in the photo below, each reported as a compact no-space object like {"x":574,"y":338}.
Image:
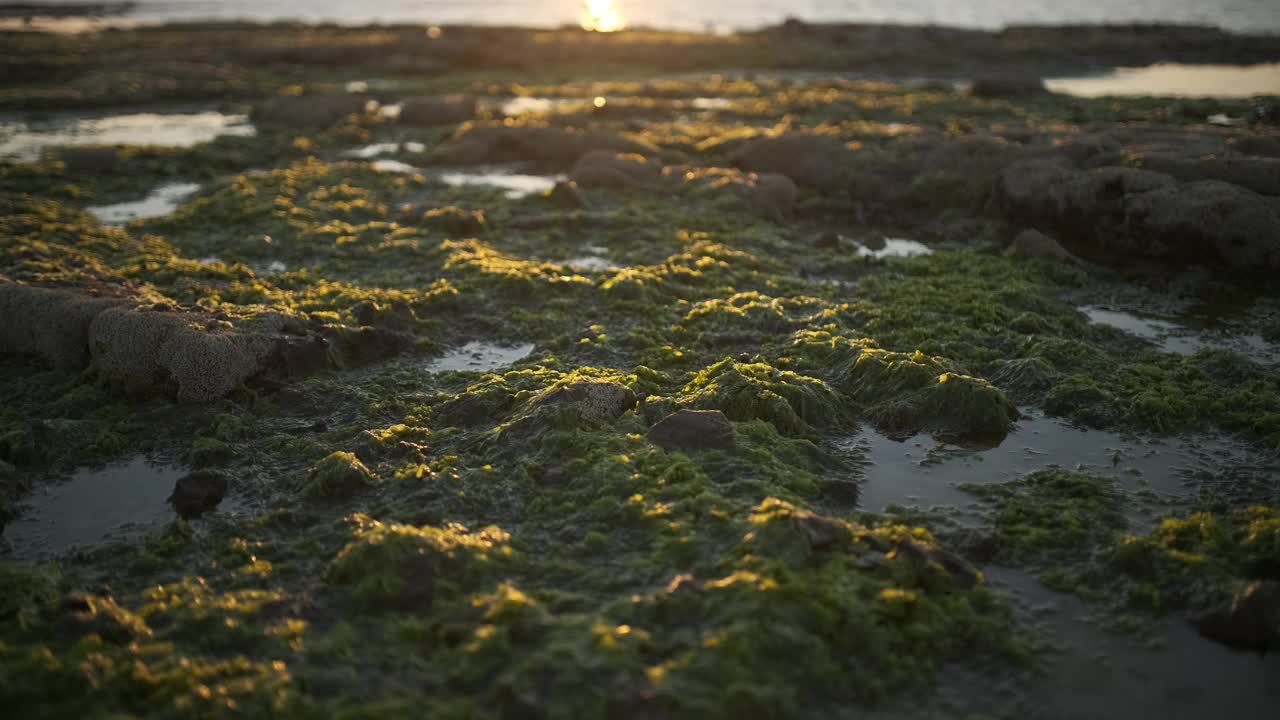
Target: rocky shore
{"x":513,"y":373}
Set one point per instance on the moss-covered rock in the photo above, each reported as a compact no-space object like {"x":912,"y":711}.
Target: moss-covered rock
{"x":405,"y":567}
{"x":339,"y":475}
{"x":757,"y":391}
{"x":1052,"y":514}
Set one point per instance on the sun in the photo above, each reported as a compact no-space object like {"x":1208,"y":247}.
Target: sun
{"x":601,"y":16}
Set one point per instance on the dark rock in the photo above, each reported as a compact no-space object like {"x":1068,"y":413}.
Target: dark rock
{"x":773,"y":196}
{"x":77,"y":615}
{"x":433,"y":111}
{"x":822,"y":162}
{"x":307,"y":111}
{"x":365,"y":313}
{"x":979,"y":546}
{"x":961,"y":572}
{"x":1008,"y":86}
{"x":1259,"y":145}
{"x":294,"y":357}
{"x":1202,"y":220}
{"x":90,"y":160}
{"x":1259,"y":174}
{"x":874,"y":242}
{"x":608,"y":169}
{"x":361,"y":346}
{"x":198,"y":493}
{"x":821,"y":531}
{"x":568,"y":196}
{"x":1035,"y":245}
{"x":1251,"y":621}
{"x":693,"y":430}
{"x":827,"y":239}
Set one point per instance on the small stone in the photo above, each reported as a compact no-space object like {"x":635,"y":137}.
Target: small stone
{"x":773,"y":196}
{"x":198,"y":493}
{"x":365,"y":313}
{"x":822,"y":531}
{"x":1035,"y":245}
{"x":341,"y":474}
{"x":875,"y":242}
{"x":693,"y":430}
{"x":568,"y":196}
{"x":1251,"y":621}
{"x":827,"y":239}
{"x":1008,"y":86}
{"x":965,"y":575}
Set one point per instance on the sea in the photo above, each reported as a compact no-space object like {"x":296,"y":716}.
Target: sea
{"x":1255,"y":16}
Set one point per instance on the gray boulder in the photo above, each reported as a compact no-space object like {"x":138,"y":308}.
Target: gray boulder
{"x":693,"y":430}
{"x":307,"y":111}
{"x":817,"y":161}
{"x":434,"y":111}
{"x":1202,"y":219}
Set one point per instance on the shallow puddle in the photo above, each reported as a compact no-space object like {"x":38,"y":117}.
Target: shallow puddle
{"x":709,"y":103}
{"x":926,"y":472}
{"x":1176,"y":80}
{"x":26,"y":140}
{"x":1172,"y":337}
{"x":595,"y":259}
{"x":895,"y":247}
{"x":591,"y":263}
{"x":395,"y":166}
{"x":376,"y":149}
{"x":539,"y":105}
{"x":516,"y":185}
{"x":162,"y":201}
{"x":479,"y":357}
{"x":118,"y":501}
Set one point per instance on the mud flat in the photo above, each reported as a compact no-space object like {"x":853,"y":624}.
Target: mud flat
{"x":698,"y":393}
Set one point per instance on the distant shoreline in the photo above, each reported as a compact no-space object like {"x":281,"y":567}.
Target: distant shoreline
{"x":87,"y":17}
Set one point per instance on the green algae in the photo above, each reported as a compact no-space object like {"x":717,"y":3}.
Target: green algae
{"x":409,"y":566}
{"x":757,"y":391}
{"x":1196,"y":560}
{"x":1052,"y":515}
{"x":341,"y":474}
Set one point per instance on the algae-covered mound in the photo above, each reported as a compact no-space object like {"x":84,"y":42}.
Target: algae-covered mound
{"x":407,"y":567}
{"x":1051,"y":514}
{"x":757,"y":391}
{"x":906,"y":393}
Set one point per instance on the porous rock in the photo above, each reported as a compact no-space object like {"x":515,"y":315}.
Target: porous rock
{"x":593,"y":400}
{"x":50,"y":323}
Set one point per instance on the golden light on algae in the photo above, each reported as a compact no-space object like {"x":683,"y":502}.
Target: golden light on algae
{"x":601,"y":16}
